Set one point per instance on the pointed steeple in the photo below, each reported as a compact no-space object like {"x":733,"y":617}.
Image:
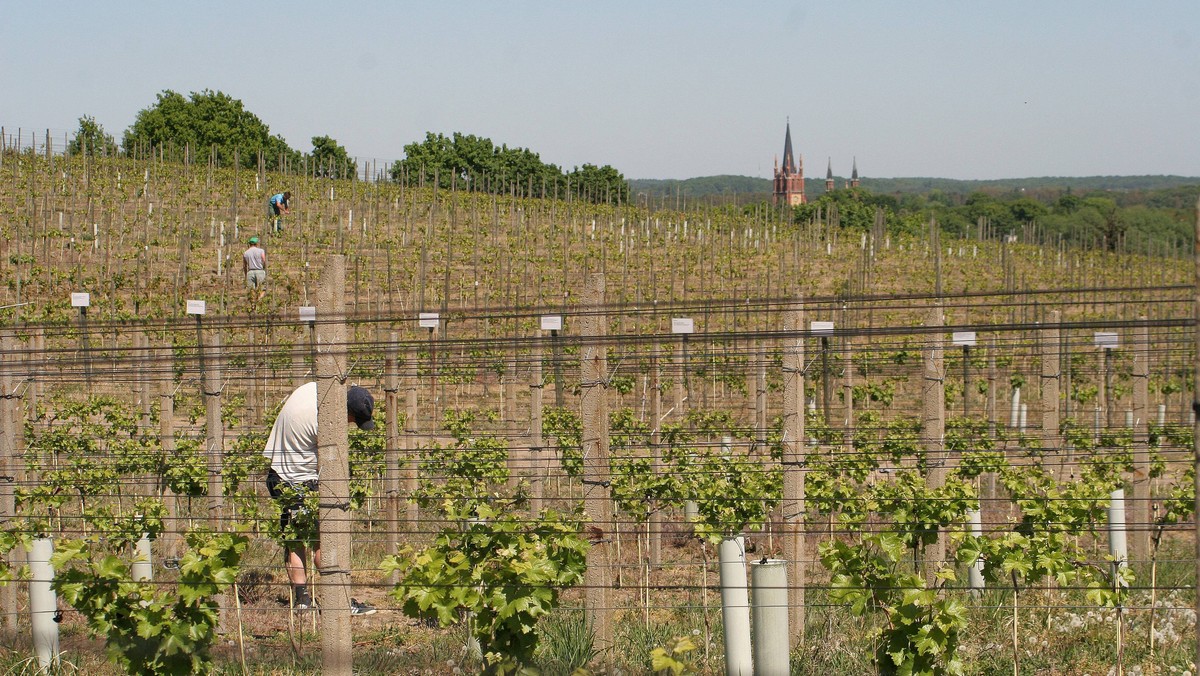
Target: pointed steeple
{"x":829,"y":176}
{"x":854,"y":175}
{"x":789,"y":160}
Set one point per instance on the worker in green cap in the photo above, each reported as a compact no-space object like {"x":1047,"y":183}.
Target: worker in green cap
{"x":254,"y":264}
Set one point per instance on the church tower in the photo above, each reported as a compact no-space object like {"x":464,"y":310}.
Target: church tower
{"x":854,"y":175}
{"x":789,"y":179}
{"x":829,"y":176}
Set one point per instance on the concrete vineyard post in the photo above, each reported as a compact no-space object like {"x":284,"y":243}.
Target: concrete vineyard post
{"x":334,"y":467}
{"x":992,"y":390}
{"x":1141,"y":516}
{"x":210,"y":375}
{"x":411,"y":441}
{"x":8,"y":465}
{"x":391,"y":456}
{"x":933,"y":425}
{"x":1196,"y":418}
{"x":656,"y":521}
{"x":792,"y":508}
{"x":597,"y":499}
{"x":536,"y":455}
{"x":1051,"y":373}
{"x":166,"y":440}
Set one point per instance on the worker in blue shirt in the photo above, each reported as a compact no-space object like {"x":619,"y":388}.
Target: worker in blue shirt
{"x":280,"y":203}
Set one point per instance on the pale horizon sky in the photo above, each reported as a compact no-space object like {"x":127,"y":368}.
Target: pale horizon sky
{"x":665,"y":89}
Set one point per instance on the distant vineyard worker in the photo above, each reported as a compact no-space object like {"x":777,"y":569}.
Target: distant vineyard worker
{"x":292,"y":450}
{"x":254,"y":265}
{"x":280,"y":203}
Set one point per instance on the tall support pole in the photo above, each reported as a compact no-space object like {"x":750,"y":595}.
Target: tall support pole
{"x":1196,"y":412}
{"x":933,"y":425}
{"x":991,"y":395}
{"x":333,"y":455}
{"x":8,"y":443}
{"x":847,"y":390}
{"x":412,"y":444}
{"x":391,"y":455}
{"x":1141,"y":443}
{"x":1050,"y":377}
{"x":210,"y":375}
{"x":536,"y":468}
{"x":597,"y":500}
{"x":655,"y":525}
{"x":166,"y":440}
{"x":792,"y":509}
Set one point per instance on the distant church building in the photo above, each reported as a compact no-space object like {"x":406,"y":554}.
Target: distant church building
{"x":789,"y":178}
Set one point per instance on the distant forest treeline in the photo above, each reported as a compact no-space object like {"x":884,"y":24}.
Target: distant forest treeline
{"x":760,"y":188}
{"x":1146,"y":214}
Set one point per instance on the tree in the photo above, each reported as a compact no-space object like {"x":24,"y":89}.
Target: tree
{"x":599,"y":184}
{"x":475,"y":163}
{"x":203,"y":120}
{"x":90,"y":139}
{"x":331,"y":159}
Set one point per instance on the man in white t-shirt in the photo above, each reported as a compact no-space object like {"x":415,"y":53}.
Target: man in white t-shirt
{"x":254,"y":264}
{"x":292,"y":450}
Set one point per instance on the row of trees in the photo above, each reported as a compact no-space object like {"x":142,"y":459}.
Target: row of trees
{"x":1101,"y":219}
{"x":208,"y":119}
{"x":471,"y":162}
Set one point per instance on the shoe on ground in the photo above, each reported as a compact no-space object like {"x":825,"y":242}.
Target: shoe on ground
{"x":303,"y":602}
{"x":359,"y":608}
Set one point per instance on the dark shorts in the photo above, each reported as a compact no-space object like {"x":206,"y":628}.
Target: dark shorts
{"x":274,"y":209}
{"x":289,"y":504}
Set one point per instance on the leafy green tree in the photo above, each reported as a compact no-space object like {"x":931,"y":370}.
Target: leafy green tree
{"x":91,"y":139}
{"x":205,"y":119}
{"x":331,"y":159}
{"x":599,"y":184}
{"x":474,"y":163}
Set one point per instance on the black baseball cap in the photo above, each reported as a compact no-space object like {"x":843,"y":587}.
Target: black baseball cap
{"x":360,"y":405}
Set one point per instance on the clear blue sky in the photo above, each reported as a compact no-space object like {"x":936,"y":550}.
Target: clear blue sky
{"x":658,"y":89}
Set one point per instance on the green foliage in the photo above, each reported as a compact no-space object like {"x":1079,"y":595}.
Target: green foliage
{"x":676,"y":659}
{"x":331,"y":160}
{"x":566,"y":427}
{"x":473,"y":466}
{"x":471,"y":162}
{"x":919,"y":512}
{"x":90,"y":139}
{"x":731,"y":493}
{"x":495,"y":570}
{"x":150,"y":629}
{"x":83,"y":449}
{"x":302,"y":525}
{"x":205,"y":119}
{"x":923,"y":625}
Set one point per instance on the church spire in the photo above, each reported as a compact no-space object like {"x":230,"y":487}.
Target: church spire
{"x":789,"y":176}
{"x":854,"y":175}
{"x":829,"y":176}
{"x":789,"y":160}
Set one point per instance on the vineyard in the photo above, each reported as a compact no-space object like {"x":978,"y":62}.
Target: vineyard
{"x":682,"y":437}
